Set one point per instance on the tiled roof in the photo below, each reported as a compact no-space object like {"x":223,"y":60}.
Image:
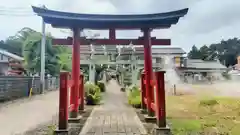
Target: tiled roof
{"x":138,"y":50}
{"x":106,"y":21}
{"x":200,"y":64}
{"x":11,"y":55}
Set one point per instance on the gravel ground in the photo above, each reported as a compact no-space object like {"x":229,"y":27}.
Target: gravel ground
{"x":45,"y":128}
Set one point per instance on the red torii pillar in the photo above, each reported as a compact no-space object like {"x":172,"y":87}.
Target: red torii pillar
{"x":148,"y":68}
{"x":74,"y":101}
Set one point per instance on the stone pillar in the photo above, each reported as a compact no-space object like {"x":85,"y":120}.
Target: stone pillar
{"x":133,"y":68}
{"x":92,"y":71}
{"x":158,"y":62}
{"x":133,"y":73}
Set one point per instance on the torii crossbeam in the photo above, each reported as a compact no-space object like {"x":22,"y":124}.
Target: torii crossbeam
{"x":110,"y":41}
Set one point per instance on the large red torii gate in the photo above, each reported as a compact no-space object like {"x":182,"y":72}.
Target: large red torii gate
{"x":77,"y":22}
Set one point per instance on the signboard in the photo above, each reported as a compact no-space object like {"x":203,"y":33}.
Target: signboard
{"x":238,"y":60}
{"x":177,"y":61}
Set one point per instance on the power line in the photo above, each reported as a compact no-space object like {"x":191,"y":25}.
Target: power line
{"x":17,"y":15}
{"x":15,"y":11}
{"x":3,"y":7}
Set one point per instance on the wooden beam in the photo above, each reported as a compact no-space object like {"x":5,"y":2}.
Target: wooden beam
{"x":85,"y":41}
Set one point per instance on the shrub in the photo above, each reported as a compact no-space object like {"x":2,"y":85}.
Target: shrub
{"x":92,"y":94}
{"x":101,"y":85}
{"x":122,"y":89}
{"x":134,"y":97}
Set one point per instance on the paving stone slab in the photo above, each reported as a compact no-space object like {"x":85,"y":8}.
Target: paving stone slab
{"x":114,"y":117}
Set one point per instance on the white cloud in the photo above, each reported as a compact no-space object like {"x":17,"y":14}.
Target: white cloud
{"x":208,"y":21}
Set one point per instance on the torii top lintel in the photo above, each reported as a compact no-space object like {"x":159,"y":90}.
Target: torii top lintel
{"x":101,"y":21}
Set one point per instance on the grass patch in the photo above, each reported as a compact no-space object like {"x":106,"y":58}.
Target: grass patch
{"x":190,"y":114}
{"x":185,"y":126}
{"x":208,"y":102}
{"x":51,"y":129}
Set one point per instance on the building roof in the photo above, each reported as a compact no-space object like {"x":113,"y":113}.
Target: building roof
{"x":167,"y":50}
{"x":11,"y":55}
{"x":106,"y":21}
{"x":200,"y":64}
{"x":137,"y":50}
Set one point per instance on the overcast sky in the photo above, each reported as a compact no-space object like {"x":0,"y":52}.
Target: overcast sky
{"x":208,"y":21}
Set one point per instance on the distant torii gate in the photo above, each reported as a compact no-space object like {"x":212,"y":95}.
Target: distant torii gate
{"x":110,"y":41}
{"x":77,"y":22}
{"x":146,"y":40}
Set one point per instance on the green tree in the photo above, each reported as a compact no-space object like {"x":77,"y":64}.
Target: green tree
{"x":32,"y":53}
{"x":64,"y":55}
{"x":205,"y":52}
{"x":27,"y":43}
{"x":56,"y":58}
{"x":226,"y":51}
{"x":194,"y":53}
{"x":14,"y":44}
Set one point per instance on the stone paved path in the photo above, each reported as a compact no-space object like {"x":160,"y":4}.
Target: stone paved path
{"x":26,"y":114}
{"x":114,"y":117}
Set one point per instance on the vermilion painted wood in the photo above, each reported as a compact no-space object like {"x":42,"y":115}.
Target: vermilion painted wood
{"x":153,"y":106}
{"x":75,"y":72}
{"x":81,"y":93}
{"x":63,"y":101}
{"x":152,"y":82}
{"x":70,"y":83}
{"x":143,"y":92}
{"x":148,"y":68}
{"x":145,"y":100}
{"x":160,"y":99}
{"x":138,"y":41}
{"x":112,"y":34}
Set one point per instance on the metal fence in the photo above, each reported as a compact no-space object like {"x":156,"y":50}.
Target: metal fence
{"x":12,"y":87}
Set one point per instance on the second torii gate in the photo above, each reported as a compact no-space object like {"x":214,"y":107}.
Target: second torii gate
{"x":77,"y":22}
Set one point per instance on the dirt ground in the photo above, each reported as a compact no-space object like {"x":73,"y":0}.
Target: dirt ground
{"x":24,"y":114}
{"x":223,"y":88}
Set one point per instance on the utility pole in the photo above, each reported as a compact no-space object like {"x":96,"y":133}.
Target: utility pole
{"x":43,"y":42}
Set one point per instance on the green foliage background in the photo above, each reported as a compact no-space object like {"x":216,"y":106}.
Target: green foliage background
{"x":27,"y":43}
{"x":226,"y":51}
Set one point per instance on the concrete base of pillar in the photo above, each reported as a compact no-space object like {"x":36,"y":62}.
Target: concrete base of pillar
{"x":143,"y":111}
{"x":61,"y":132}
{"x":73,"y":114}
{"x":81,"y":111}
{"x":161,"y":130}
{"x":150,"y":119}
{"x":74,"y":120}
